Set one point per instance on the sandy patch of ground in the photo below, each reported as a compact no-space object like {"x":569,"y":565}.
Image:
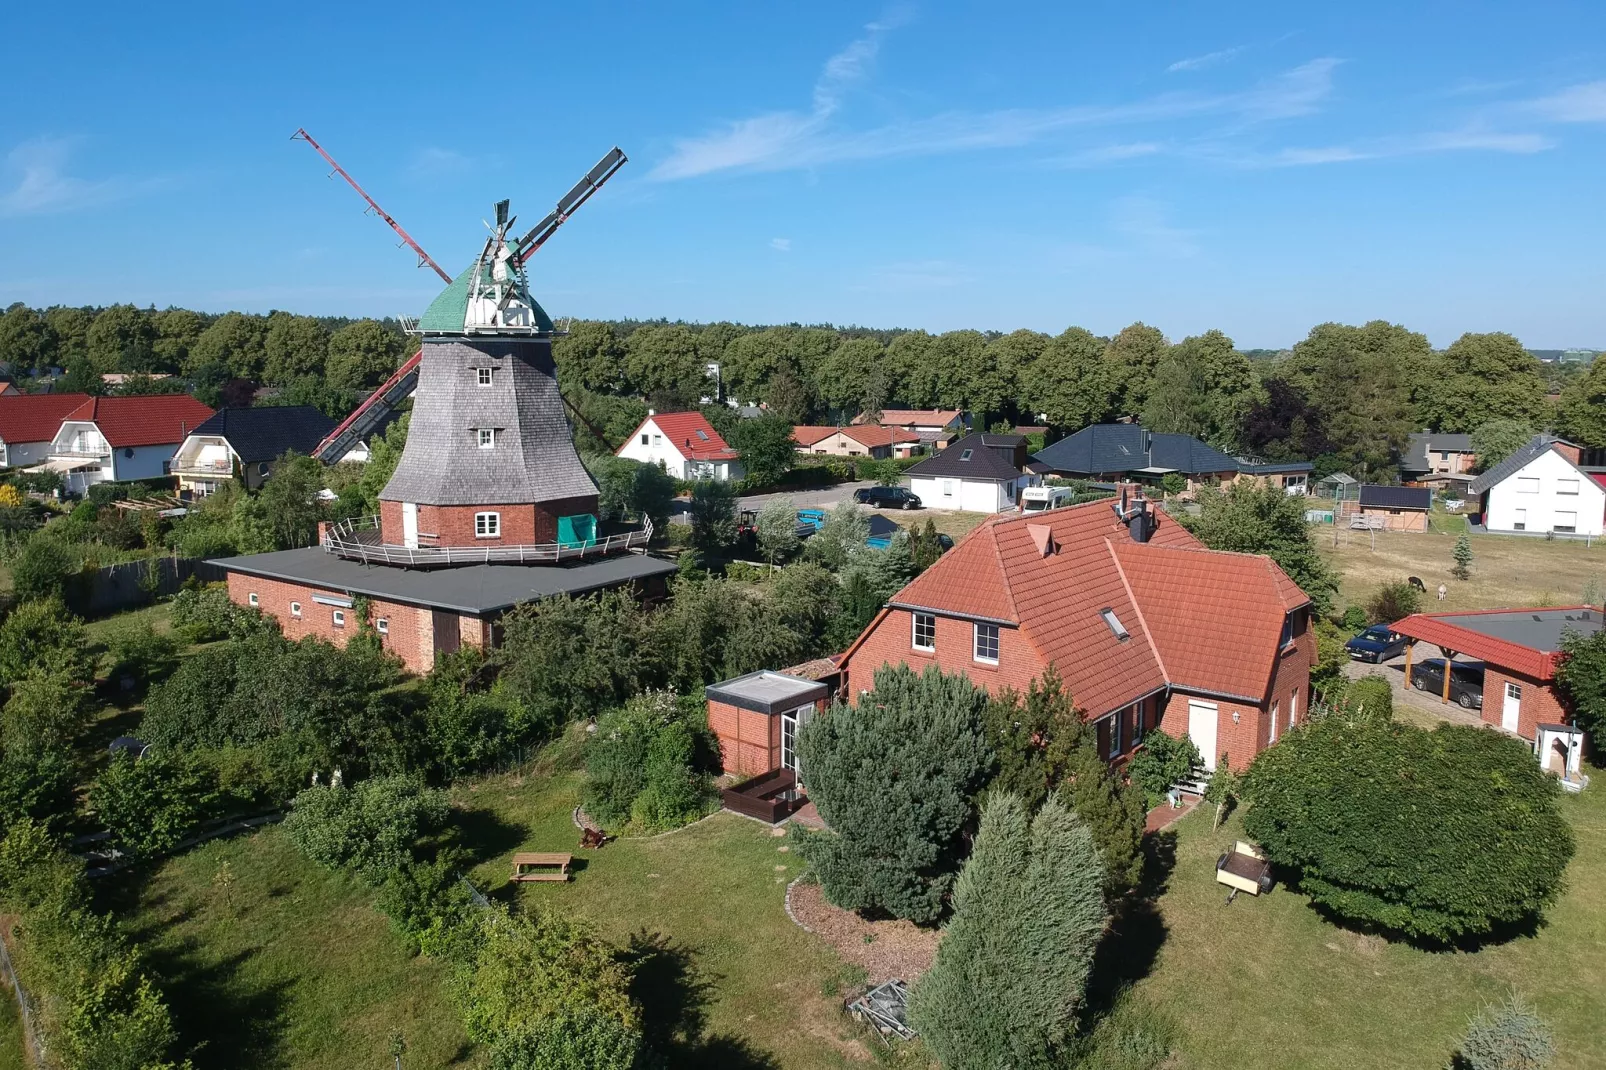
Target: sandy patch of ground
{"x":883,"y":949}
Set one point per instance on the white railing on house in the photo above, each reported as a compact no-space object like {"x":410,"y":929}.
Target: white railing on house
{"x":359,"y":539}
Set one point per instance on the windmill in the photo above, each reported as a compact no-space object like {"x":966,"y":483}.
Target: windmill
{"x":514,"y":255}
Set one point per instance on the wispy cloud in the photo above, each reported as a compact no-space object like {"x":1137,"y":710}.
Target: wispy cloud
{"x":915,"y":275}
{"x":781,"y":245}
{"x":1104,"y":155}
{"x":434,"y":162}
{"x":1209,"y":59}
{"x":1145,"y":224}
{"x":790,"y":140}
{"x":1471,"y":140}
{"x":43,"y":186}
{"x":1584,"y":103}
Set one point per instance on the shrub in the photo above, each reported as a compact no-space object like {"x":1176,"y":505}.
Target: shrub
{"x":1409,"y":830}
{"x":36,"y":787}
{"x":569,"y":1041}
{"x":643,"y":765}
{"x":1013,"y":965}
{"x":370,"y":829}
{"x":419,"y":897}
{"x":205,"y":614}
{"x":151,"y":804}
{"x":141,"y":655}
{"x":1161,"y":762}
{"x":1370,"y":696}
{"x":1510,"y":1036}
{"x":1582,"y":679}
{"x":894,"y":777}
{"x":45,"y":713}
{"x":1354,"y":619}
{"x":469,"y":731}
{"x":42,"y":634}
{"x":1392,"y":602}
{"x":41,"y":569}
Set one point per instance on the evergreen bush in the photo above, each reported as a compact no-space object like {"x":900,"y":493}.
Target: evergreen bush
{"x":643,"y":765}
{"x":1508,"y":1036}
{"x":1370,"y":696}
{"x":1160,"y":762}
{"x":371,"y":829}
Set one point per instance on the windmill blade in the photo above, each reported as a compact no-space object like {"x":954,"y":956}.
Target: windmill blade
{"x":572,"y":200}
{"x":423,"y":257}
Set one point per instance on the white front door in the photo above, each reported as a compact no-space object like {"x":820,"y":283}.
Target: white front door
{"x":1202,"y":718}
{"x":1509,"y":713}
{"x":410,"y":525}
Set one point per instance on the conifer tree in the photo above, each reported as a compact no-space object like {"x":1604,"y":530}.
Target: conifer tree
{"x":1463,"y":557}
{"x":1013,"y":966}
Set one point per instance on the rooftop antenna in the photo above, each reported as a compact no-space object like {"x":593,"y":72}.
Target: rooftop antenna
{"x":582,"y":191}
{"x":373,"y":205}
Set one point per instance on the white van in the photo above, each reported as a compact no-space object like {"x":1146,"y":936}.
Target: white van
{"x":1042,"y":499}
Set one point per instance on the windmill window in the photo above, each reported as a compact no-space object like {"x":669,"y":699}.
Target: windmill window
{"x":1116,"y":627}
{"x":487,"y":525}
{"x":339,"y":618}
{"x":487,"y":437}
{"x":483,"y":376}
{"x":382,"y":625}
{"x":925,"y":632}
{"x":252,"y":598}
{"x":295,"y":610}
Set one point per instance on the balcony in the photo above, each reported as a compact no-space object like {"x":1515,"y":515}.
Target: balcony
{"x":203,"y":469}
{"x":359,"y":540}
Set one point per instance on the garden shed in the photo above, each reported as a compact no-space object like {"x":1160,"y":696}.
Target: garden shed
{"x":1340,"y":486}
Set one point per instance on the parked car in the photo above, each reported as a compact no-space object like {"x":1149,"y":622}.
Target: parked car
{"x":887,"y":497}
{"x":1466,"y":681}
{"x":1376,"y":644}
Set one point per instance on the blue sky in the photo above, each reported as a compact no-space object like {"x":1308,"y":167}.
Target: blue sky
{"x":1259,"y":169}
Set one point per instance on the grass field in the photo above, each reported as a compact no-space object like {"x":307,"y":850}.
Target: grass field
{"x":1269,"y":976}
{"x":12,"y":1052}
{"x":1507,"y":570}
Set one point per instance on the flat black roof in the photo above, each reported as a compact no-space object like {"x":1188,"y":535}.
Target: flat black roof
{"x":1536,"y":629}
{"x":473,"y":589}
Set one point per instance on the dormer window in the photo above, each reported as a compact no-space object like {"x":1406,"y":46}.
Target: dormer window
{"x":483,"y":376}
{"x":487,"y":437}
{"x":1116,"y":627}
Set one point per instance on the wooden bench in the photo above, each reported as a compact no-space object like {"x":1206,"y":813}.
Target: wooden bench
{"x":541,"y":866}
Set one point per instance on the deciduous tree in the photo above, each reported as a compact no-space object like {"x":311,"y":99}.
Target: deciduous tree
{"x":1254,"y":519}
{"x":1495,"y":440}
{"x":362,"y":355}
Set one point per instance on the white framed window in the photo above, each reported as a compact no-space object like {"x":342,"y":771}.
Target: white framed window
{"x":482,"y":376}
{"x":339,"y":618}
{"x":1527,"y":484}
{"x":1293,"y":707}
{"x":1115,"y":733}
{"x":1519,"y":520}
{"x":1567,"y":486}
{"x":253,"y":599}
{"x":487,"y":437}
{"x":1137,"y":723}
{"x":295,"y":610}
{"x":657,"y":440}
{"x":947,"y":488}
{"x":987,"y":643}
{"x":382,"y":625}
{"x":487,"y":525}
{"x":1565,"y":521}
{"x":1276,"y":715}
{"x":925,"y":632}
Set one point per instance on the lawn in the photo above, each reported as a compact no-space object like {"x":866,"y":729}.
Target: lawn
{"x":1269,"y":976}
{"x":953,"y":523}
{"x":1507,"y":570}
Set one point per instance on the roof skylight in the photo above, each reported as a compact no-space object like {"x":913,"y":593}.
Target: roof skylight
{"x":1114,"y":622}
{"x":965,"y":456}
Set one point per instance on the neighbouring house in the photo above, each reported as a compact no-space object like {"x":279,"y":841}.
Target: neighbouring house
{"x":1520,"y":650}
{"x":243,"y":444}
{"x":1438,"y":459}
{"x":1291,"y":477}
{"x":1108,"y":452}
{"x":859,"y":440}
{"x":28,"y":425}
{"x":489,"y":506}
{"x":1146,"y":627}
{"x":119,"y":438}
{"x":935,"y":427}
{"x":978,"y":473}
{"x":9,"y":389}
{"x":123,"y":378}
{"x":685,"y":445}
{"x":756,"y":719}
{"x":1541,"y":489}
{"x":1394,"y":508}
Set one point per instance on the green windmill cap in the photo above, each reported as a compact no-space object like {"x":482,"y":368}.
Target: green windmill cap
{"x":448,"y":312}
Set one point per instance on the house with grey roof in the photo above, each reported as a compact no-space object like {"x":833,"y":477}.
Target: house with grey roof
{"x":244,"y":444}
{"x":977,"y":473}
{"x":1115,"y":452}
{"x":1438,"y":459}
{"x":1540,"y":489}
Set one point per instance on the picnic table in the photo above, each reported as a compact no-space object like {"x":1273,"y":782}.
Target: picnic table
{"x":541,"y":866}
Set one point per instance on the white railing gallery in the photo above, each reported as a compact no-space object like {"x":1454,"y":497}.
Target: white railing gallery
{"x":358,"y":538}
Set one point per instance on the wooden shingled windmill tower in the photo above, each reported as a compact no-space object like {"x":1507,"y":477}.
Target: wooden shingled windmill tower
{"x":489,"y":473}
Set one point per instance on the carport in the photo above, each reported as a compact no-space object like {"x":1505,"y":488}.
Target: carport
{"x":1520,"y":649}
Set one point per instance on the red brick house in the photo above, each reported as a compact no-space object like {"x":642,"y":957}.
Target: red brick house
{"x":1146,"y":627}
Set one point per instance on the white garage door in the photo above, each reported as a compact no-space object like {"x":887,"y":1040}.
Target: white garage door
{"x":1202,"y":718}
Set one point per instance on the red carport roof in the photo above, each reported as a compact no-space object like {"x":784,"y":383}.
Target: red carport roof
{"x":1469,"y":641}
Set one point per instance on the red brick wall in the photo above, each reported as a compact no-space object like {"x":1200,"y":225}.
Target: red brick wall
{"x":749,"y":742}
{"x":1539,"y":702}
{"x":892,"y":642}
{"x":411,"y":630}
{"x":453,"y":525}
{"x":390,"y":522}
{"x":1572,"y":453}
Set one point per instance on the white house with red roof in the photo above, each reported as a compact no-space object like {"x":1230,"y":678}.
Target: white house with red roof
{"x":110,"y":439}
{"x":685,"y":445}
{"x":1145,"y":626}
{"x":28,"y":425}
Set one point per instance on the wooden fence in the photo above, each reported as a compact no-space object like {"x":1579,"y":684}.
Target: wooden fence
{"x":135,"y":583}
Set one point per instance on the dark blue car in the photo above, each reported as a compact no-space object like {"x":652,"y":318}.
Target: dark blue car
{"x":1376,"y":644}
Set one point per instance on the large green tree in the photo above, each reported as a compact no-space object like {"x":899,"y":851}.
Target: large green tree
{"x":1479,"y":376}
{"x":1358,"y":381}
{"x":664,"y":363}
{"x":122,"y":338}
{"x":766,"y":447}
{"x":1582,"y":678}
{"x":235,"y":341}
{"x":590,"y":355}
{"x":1581,"y":415}
{"x":894,"y":777}
{"x":27,"y":341}
{"x":1254,"y":519}
{"x":1013,"y":966}
{"x":294,"y":346}
{"x":1495,"y":440}
{"x":1439,"y":836}
{"x":362,"y":355}
{"x":1070,"y":383}
{"x":1134,"y":356}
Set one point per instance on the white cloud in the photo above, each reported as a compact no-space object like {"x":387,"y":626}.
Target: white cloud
{"x":1471,"y":140}
{"x":1584,"y":103}
{"x":783,"y":245}
{"x":790,"y":140}
{"x":915,"y":275}
{"x":1209,"y":59}
{"x":42,"y":186}
{"x":1108,"y":154}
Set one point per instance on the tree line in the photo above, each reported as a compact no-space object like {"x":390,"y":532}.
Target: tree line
{"x":1346,"y":397}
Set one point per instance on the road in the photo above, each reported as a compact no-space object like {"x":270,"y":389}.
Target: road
{"x":823,"y":497}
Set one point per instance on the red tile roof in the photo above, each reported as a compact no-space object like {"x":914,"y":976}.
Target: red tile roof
{"x":142,"y":420}
{"x":873,"y":435}
{"x":1195,"y":618}
{"x":1503,"y":653}
{"x":807,"y":435}
{"x":922,"y":417}
{"x":692,"y":435}
{"x":35,"y":417}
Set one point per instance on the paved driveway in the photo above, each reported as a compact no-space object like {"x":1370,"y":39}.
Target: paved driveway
{"x":1423,"y":706}
{"x":824,"y":497}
